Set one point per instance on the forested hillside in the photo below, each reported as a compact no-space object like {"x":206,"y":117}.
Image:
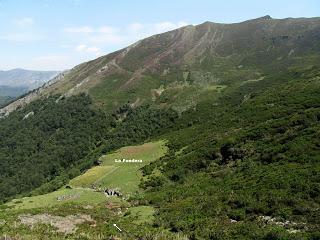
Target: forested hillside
{"x":63,"y":138}
{"x":248,"y":160}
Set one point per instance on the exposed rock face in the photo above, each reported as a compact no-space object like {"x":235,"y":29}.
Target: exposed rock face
{"x":112,"y":192}
{"x":291,"y":227}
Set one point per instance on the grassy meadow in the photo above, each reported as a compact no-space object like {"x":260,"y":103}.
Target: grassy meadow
{"x":124,"y":176}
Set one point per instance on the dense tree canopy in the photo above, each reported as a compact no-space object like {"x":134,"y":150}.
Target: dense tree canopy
{"x":51,"y":141}
{"x":239,"y":161}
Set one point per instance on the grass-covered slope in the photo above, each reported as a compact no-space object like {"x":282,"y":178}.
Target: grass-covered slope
{"x":57,"y":198}
{"x":176,"y":68}
{"x":123,"y":176}
{"x":118,"y":170}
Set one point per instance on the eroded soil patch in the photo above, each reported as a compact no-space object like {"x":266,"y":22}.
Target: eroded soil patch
{"x":65,"y":225}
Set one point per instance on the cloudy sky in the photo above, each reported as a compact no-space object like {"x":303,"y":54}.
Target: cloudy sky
{"x":59,"y":34}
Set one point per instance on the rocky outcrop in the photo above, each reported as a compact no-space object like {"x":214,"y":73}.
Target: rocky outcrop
{"x":112,"y":192}
{"x":28,"y":115}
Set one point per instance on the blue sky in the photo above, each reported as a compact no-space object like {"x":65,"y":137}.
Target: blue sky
{"x":59,"y":34}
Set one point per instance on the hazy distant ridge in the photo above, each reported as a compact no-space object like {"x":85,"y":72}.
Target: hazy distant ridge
{"x":25,"y":78}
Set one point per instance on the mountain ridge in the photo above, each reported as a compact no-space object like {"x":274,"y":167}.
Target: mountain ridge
{"x":249,"y":46}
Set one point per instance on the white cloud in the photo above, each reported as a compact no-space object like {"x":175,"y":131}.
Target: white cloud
{"x":84,"y":29}
{"x":107,"y":29}
{"x":93,"y":50}
{"x":135,"y":27}
{"x":81,"y":47}
{"x":86,"y":49}
{"x":24,"y":22}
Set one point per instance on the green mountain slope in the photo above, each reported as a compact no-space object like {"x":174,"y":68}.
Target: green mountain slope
{"x":247,"y":162}
{"x":184,"y":64}
{"x":237,"y":104}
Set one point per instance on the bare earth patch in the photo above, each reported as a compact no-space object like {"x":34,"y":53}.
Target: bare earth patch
{"x":65,"y":225}
{"x":137,"y":149}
